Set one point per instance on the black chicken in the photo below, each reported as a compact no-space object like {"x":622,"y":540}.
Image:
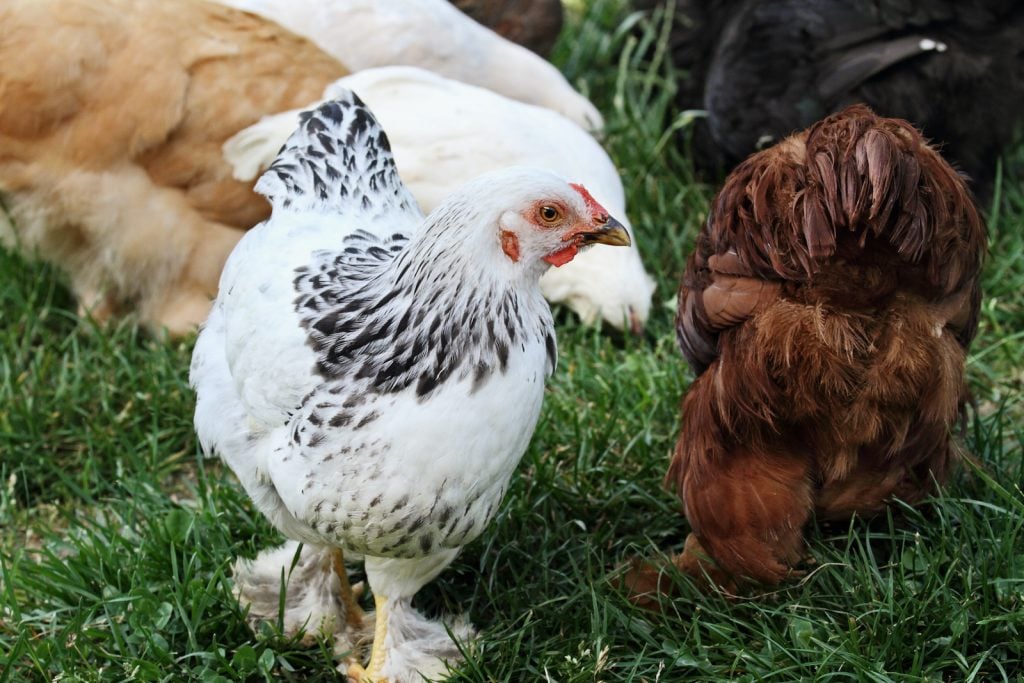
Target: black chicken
{"x":765,"y":68}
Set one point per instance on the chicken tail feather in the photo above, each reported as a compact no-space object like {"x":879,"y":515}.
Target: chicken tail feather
{"x":338,"y":160}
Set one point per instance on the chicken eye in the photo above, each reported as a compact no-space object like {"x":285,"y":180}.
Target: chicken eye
{"x":549,"y":214}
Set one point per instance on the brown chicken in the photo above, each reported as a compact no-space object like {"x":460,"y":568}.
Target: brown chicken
{"x":827,"y":312}
{"x":112,"y":116}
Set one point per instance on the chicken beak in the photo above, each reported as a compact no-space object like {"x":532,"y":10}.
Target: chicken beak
{"x":609,"y":232}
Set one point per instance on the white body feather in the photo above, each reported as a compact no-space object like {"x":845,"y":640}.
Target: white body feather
{"x":444,"y":133}
{"x":413,"y":446}
{"x":431,"y":34}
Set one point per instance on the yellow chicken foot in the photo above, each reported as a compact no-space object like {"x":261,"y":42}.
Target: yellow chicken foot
{"x":377,"y":655}
{"x":354,"y":614}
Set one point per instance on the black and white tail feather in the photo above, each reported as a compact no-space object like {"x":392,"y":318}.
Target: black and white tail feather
{"x":338,"y":160}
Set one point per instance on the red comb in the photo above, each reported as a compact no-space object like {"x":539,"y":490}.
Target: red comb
{"x":589,"y":200}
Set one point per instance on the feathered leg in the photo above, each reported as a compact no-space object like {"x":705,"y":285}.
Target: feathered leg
{"x":318,"y":598}
{"x":354,"y":614}
{"x":747,"y":510}
{"x":406,"y":645}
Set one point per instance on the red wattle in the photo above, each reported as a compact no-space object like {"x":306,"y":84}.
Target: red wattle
{"x":562,"y":256}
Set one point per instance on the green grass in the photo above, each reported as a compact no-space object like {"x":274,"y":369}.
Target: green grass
{"x":117,"y":538}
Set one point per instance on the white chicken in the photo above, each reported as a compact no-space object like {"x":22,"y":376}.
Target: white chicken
{"x":373,"y":376}
{"x":433,"y":35}
{"x":443,"y":133}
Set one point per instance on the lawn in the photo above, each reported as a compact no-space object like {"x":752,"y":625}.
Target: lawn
{"x":117,"y":538}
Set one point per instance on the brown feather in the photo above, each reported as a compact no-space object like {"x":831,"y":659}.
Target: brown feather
{"x":834,"y":385}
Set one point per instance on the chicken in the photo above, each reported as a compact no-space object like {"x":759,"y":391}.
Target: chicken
{"x":534,"y":24}
{"x":765,"y":68}
{"x":112,"y":116}
{"x":433,"y":35}
{"x":443,"y":133}
{"x":827,"y":312}
{"x":373,"y":376}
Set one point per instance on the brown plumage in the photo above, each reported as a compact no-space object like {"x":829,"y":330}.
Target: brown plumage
{"x":827,"y":310}
{"x":112,"y":117}
{"x":534,"y":24}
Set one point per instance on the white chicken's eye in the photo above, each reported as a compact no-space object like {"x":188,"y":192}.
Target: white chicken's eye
{"x":549,"y":214}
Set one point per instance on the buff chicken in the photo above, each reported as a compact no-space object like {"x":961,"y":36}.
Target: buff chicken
{"x":827,"y":312}
{"x":112,"y":115}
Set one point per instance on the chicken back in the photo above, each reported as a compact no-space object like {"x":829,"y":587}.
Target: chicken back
{"x":827,"y":311}
{"x":112,"y":117}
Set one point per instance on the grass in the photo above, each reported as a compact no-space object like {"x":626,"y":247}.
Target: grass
{"x":117,"y":538}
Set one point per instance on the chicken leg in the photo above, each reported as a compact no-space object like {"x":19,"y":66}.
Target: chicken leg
{"x":355,"y":671}
{"x":354,"y":615}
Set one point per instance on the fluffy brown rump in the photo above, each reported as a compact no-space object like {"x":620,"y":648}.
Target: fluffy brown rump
{"x":810,"y":408}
